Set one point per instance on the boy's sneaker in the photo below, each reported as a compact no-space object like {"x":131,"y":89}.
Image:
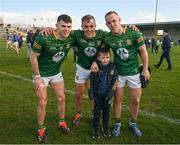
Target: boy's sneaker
{"x":95,"y":134}
{"x":106,"y":133}
{"x":63,"y":127}
{"x":77,"y":118}
{"x":41,"y":135}
{"x":116,"y":130}
{"x":136,"y":131}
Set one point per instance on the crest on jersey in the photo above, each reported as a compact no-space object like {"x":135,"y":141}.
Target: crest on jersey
{"x":58,"y":56}
{"x":128,"y":42}
{"x":90,"y":51}
{"x":122,"y":53}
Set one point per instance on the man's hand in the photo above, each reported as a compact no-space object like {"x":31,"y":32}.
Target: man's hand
{"x":38,"y":83}
{"x":94,"y":67}
{"x":47,"y":31}
{"x":133,"y":27}
{"x":146,"y":74}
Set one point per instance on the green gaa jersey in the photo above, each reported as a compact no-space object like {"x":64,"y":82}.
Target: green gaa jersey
{"x":87,"y":48}
{"x":125,"y":49}
{"x":52,"y":53}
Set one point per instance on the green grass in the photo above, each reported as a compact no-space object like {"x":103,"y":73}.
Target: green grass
{"x":18,"y":105}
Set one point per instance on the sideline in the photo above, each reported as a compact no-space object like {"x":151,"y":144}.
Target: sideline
{"x":175,"y":121}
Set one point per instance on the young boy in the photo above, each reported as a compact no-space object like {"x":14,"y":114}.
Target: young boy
{"x":101,"y":90}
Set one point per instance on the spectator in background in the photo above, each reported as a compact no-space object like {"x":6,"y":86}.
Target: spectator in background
{"x":8,"y":41}
{"x":15,"y":42}
{"x":34,"y":36}
{"x":166,"y":47}
{"x":157,"y":45}
{"x":20,"y":40}
{"x":28,"y":41}
{"x":153,"y":44}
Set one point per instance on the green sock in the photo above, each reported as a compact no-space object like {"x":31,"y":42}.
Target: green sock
{"x":61,"y":119}
{"x":41,"y":126}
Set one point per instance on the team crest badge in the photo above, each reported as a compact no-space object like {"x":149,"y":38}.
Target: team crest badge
{"x":128,"y":42}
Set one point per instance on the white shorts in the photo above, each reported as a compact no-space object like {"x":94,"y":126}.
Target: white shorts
{"x":132,"y":81}
{"x":52,"y":79}
{"x":15,"y":44}
{"x":82,"y":75}
{"x":8,"y":42}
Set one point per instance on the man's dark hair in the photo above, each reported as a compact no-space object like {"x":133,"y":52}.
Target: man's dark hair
{"x":65,"y":18}
{"x":111,"y":12}
{"x":166,"y":31}
{"x":87,"y":18}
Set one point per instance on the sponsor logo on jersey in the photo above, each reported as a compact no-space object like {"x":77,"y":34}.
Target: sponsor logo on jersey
{"x":53,"y":48}
{"x":58,"y":56}
{"x":83,"y":41}
{"x":122,"y":53}
{"x":90,"y":51}
{"x":120,"y":43}
{"x":91,"y":44}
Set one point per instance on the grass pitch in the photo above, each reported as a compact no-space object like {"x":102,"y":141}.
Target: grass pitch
{"x":159,"y":118}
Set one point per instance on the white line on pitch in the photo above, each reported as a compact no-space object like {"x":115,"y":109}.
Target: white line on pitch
{"x":175,"y":121}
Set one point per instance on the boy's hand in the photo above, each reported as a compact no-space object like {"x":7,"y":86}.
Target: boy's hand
{"x":94,"y":67}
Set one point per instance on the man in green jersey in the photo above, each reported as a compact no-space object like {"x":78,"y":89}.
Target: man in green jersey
{"x":48,"y":53}
{"x":88,"y":41}
{"x":125,"y":44}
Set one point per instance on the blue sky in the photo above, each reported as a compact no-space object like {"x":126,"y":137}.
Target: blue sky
{"x":131,"y":11}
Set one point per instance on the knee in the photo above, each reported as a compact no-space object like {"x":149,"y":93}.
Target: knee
{"x":42,"y":103}
{"x":136,"y":101}
{"x":61,"y":98}
{"x":79,"y":96}
{"x":117,"y":100}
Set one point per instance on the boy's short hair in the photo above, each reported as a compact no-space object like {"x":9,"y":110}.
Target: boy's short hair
{"x":65,"y":18}
{"x":103,"y":50}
